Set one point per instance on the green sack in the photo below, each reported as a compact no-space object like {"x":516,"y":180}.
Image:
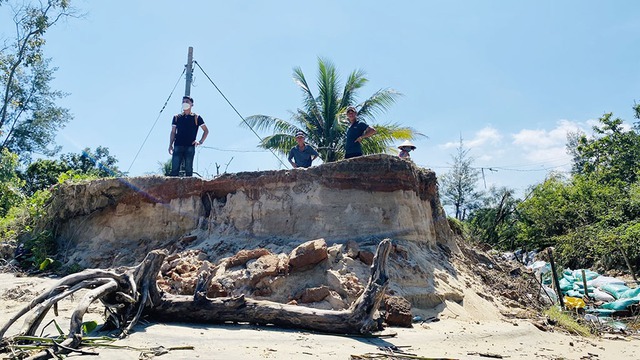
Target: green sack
{"x":565,"y":285}
{"x":620,"y":305}
{"x":616,"y":290}
{"x":631,"y":293}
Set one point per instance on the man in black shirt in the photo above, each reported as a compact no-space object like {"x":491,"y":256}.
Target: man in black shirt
{"x":182,"y":142}
{"x":357,"y":131}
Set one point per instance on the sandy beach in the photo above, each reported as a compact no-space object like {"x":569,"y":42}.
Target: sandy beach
{"x":473,"y":331}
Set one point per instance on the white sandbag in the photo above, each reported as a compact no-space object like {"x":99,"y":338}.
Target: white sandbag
{"x":546,"y":293}
{"x":604,"y":280}
{"x":540,"y":267}
{"x":600,"y":295}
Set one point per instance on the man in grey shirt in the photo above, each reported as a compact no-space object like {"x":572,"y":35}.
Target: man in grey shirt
{"x":302,"y":154}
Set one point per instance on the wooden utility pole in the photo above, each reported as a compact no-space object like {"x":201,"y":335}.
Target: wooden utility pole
{"x":584,"y":284}
{"x":187,"y":88}
{"x":556,"y":284}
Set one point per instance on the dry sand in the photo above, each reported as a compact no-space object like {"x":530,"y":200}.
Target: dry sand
{"x":472,"y":331}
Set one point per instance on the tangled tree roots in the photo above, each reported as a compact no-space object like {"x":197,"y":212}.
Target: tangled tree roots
{"x":129,"y":292}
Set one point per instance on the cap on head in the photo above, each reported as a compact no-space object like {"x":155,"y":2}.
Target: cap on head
{"x":187,"y":98}
{"x":351,"y":108}
{"x":300,"y":134}
{"x":407,"y":144}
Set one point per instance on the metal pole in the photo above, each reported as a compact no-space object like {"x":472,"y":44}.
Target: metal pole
{"x":187,"y":88}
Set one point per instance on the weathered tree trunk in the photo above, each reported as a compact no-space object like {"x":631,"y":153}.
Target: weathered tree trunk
{"x":127,"y":293}
{"x":358,"y":319}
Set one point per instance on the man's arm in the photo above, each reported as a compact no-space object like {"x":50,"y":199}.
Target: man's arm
{"x":205,"y":133}
{"x":314,"y":153}
{"x":291,"y":157}
{"x":172,"y":138}
{"x":370,"y":131}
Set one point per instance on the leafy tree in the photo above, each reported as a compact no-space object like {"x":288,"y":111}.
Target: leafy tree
{"x":10,"y":183}
{"x":573,"y":140}
{"x":323,"y":117}
{"x":611,"y":154}
{"x":583,"y":217}
{"x":43,"y":173}
{"x":547,"y":213}
{"x":99,"y":163}
{"x":494,"y":222}
{"x":459,"y":185}
{"x":29,"y":116}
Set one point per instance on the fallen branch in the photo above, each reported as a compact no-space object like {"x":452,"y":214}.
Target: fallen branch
{"x":394,"y":356}
{"x":130,"y":292}
{"x":489,"y":355}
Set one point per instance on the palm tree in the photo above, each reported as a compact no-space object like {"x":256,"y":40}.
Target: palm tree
{"x":323,"y":118}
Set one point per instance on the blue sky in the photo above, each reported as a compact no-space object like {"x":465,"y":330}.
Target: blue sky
{"x":510,"y":77}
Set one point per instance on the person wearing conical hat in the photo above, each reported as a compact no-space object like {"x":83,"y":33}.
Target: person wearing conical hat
{"x":405,"y":148}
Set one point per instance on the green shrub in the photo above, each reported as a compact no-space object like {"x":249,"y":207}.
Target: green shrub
{"x":456,"y":226}
{"x":41,"y":246}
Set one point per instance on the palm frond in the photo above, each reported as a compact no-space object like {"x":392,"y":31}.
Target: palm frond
{"x":355,"y":81}
{"x":268,"y":123}
{"x":310,"y":102}
{"x":386,"y":137}
{"x":398,"y":132}
{"x":378,"y":103}
{"x":309,"y":124}
{"x":328,"y":83}
{"x":281,"y":143}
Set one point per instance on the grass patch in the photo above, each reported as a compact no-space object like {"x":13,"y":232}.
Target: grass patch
{"x":566,"y":321}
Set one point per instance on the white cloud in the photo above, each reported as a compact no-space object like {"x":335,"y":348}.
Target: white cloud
{"x":526,"y":158}
{"x":541,"y":139}
{"x":530,"y":138}
{"x":486,"y":135}
{"x":548,"y":146}
{"x":550,"y":156}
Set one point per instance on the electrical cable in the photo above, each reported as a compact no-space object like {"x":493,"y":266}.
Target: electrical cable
{"x":155,"y":122}
{"x":498,"y":168}
{"x":231,"y":150}
{"x":234,"y":109}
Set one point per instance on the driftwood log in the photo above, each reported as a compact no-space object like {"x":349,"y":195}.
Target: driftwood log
{"x":130,"y":292}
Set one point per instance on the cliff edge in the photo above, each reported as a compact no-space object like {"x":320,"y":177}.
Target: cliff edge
{"x":112,"y":222}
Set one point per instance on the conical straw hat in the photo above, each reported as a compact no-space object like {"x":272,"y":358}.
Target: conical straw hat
{"x":407,"y":144}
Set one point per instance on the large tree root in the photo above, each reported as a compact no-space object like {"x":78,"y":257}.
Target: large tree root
{"x":128,"y":293}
